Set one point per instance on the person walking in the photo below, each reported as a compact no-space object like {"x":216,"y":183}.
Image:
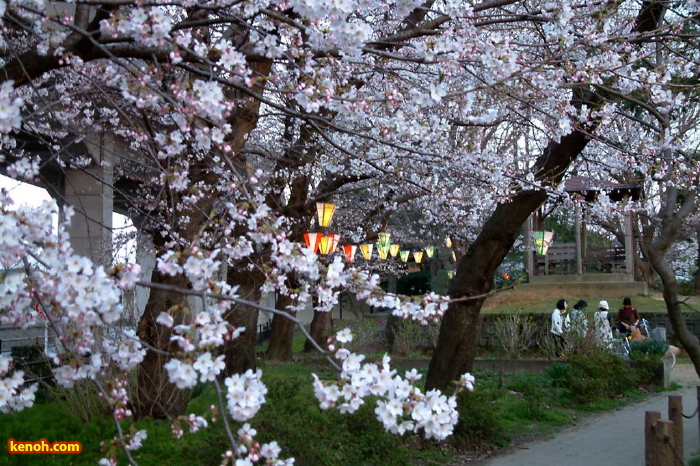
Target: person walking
{"x":627,"y":317}
{"x":560,"y":324}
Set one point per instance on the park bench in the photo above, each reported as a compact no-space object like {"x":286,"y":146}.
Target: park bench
{"x":560,"y":259}
{"x":610,"y":260}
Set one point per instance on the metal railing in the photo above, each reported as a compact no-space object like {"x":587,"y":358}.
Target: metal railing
{"x":264,"y":333}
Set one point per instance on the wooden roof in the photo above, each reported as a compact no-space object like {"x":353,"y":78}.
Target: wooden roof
{"x":589,"y":188}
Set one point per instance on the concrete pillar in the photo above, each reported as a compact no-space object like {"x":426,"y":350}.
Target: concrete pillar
{"x":89,"y":192}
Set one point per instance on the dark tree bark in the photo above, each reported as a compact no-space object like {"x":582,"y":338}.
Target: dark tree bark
{"x":676,"y":208}
{"x":644,"y":231}
{"x":321,"y":328}
{"x":280,"y":348}
{"x":456,"y":347}
{"x":240,"y":353}
{"x":157,"y":397}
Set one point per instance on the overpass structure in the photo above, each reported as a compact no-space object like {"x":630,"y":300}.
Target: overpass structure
{"x":95,"y":189}
{"x":98,"y":188}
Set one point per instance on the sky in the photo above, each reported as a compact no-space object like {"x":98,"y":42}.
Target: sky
{"x":29,"y":195}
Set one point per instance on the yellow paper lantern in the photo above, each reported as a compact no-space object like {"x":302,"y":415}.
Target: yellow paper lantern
{"x":324,"y":245}
{"x":394,"y":249}
{"x":325,"y":213}
{"x":383,"y":252}
{"x":448,"y":242}
{"x":418,"y":256}
{"x":366,"y":250}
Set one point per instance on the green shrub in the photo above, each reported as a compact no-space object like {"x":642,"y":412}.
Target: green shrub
{"x":686,"y":288}
{"x":544,"y":342}
{"x":406,"y":336}
{"x":365,"y":332}
{"x":82,"y":401}
{"x":649,"y":347}
{"x":645,"y":358}
{"x":479,"y":418}
{"x":559,"y":374}
{"x":592,"y":376}
{"x":415,"y":283}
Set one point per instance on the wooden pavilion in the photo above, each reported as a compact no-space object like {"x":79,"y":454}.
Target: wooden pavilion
{"x":578,"y":258}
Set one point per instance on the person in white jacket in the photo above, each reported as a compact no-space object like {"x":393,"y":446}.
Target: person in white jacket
{"x":603,"y":331}
{"x":560,"y":324}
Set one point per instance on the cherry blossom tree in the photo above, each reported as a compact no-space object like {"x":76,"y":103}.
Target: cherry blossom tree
{"x":624,"y":91}
{"x":236,"y":116}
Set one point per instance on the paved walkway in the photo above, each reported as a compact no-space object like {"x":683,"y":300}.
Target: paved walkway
{"x":614,"y":438}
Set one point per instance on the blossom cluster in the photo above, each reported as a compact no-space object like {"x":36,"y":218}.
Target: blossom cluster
{"x":245,"y":394}
{"x":149,"y":26}
{"x":193,"y":422}
{"x":401,"y":406}
{"x":10,"y":106}
{"x":249,"y":451}
{"x":128,"y":352}
{"x":118,"y":398}
{"x":12,"y":396}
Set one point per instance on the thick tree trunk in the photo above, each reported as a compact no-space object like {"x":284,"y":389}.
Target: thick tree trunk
{"x":456,"y":346}
{"x":321,"y":329}
{"x":457,"y":342}
{"x":644,"y":231}
{"x":240,"y":353}
{"x":158,"y":397}
{"x":282,"y":337}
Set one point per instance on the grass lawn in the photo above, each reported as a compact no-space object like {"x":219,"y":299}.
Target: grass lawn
{"x":651,"y":302}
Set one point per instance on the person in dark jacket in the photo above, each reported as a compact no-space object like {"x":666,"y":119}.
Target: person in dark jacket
{"x":627,"y":317}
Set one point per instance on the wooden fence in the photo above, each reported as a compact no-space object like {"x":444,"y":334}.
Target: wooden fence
{"x":663,"y":440}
